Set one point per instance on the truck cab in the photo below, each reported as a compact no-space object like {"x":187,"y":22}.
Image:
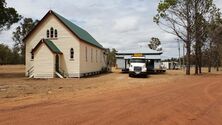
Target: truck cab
{"x":137,"y":66}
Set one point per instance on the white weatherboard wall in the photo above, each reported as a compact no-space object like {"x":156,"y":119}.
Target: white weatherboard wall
{"x":44,"y":64}
{"x":65,"y":41}
{"x":92,"y":58}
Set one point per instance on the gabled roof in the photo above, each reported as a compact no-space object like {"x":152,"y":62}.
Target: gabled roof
{"x":76,"y":30}
{"x":52,"y":47}
{"x":81,"y":33}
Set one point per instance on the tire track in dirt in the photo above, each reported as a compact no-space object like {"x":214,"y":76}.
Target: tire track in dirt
{"x":181,"y":100}
{"x":213,"y":93}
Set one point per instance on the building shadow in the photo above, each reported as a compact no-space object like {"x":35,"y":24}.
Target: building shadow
{"x":97,"y":75}
{"x":159,"y":73}
{"x":12,"y":75}
{"x":140,"y":76}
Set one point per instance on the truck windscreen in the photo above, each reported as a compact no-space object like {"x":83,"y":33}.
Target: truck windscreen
{"x":137,"y":61}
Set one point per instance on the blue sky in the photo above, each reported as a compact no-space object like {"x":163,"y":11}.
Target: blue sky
{"x":120,"y":24}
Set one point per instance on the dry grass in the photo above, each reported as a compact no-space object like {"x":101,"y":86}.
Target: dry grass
{"x":14,"y":84}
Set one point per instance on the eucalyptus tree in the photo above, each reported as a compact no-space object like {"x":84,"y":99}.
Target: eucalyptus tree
{"x":188,"y":20}
{"x":175,"y":17}
{"x":20,"y":32}
{"x":8,"y":16}
{"x":155,"y":44}
{"x":203,"y":10}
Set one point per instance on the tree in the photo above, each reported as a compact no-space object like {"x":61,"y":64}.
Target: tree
{"x":8,"y":56}
{"x":155,"y":44}
{"x":21,"y":31}
{"x":213,"y":44}
{"x":217,"y":48}
{"x":111,"y":57}
{"x":188,"y":20}
{"x":176,"y":17}
{"x":8,"y":16}
{"x":4,"y":52}
{"x":202,"y":11}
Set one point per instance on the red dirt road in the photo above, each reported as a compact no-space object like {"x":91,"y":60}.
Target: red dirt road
{"x":116,"y":99}
{"x":179,"y":100}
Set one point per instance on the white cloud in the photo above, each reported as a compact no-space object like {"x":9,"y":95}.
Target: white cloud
{"x":126,"y":24}
{"x":219,"y":4}
{"x":6,"y":36}
{"x":121,"y":24}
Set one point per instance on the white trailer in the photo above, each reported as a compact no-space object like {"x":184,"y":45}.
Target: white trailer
{"x":170,"y":65}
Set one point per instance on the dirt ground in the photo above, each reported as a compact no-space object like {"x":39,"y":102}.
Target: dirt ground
{"x":160,"y":99}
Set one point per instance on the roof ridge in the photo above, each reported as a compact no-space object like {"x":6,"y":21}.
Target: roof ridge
{"x":67,"y":20}
{"x":77,"y":30}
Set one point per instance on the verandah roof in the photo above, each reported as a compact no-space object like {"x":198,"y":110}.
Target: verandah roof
{"x":53,"y":48}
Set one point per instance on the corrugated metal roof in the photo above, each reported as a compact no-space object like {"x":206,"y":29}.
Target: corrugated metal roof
{"x":153,"y":56}
{"x":147,"y":53}
{"x":143,"y":50}
{"x":146,"y":56}
{"x":52,"y":46}
{"x":81,"y":33}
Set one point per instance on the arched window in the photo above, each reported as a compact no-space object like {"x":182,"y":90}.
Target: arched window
{"x":71,"y":53}
{"x":51,"y":32}
{"x":47,"y":33}
{"x":32,"y":56}
{"x":56,"y":33}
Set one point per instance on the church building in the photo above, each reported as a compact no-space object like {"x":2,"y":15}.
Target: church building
{"x":56,"y":47}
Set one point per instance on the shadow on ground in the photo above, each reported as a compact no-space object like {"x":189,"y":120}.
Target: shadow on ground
{"x":12,"y":75}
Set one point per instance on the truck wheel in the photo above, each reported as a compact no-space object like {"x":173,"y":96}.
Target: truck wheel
{"x":130,"y":75}
{"x":144,"y":75}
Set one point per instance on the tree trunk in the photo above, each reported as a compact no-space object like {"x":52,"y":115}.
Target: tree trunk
{"x":217,"y":64}
{"x":209,"y":68}
{"x":200,"y":59}
{"x":196,"y":38}
{"x":196,"y":60}
{"x":209,"y":63}
{"x":210,"y":57}
{"x":188,"y":37}
{"x":217,"y":67}
{"x":188,"y":58}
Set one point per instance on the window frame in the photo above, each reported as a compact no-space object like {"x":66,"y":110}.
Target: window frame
{"x":56,"y":33}
{"x":51,"y":32}
{"x":47,"y":33}
{"x":71,"y":54}
{"x":32,"y":56}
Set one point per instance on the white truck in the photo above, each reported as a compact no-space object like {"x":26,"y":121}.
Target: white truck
{"x":138,"y":65}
